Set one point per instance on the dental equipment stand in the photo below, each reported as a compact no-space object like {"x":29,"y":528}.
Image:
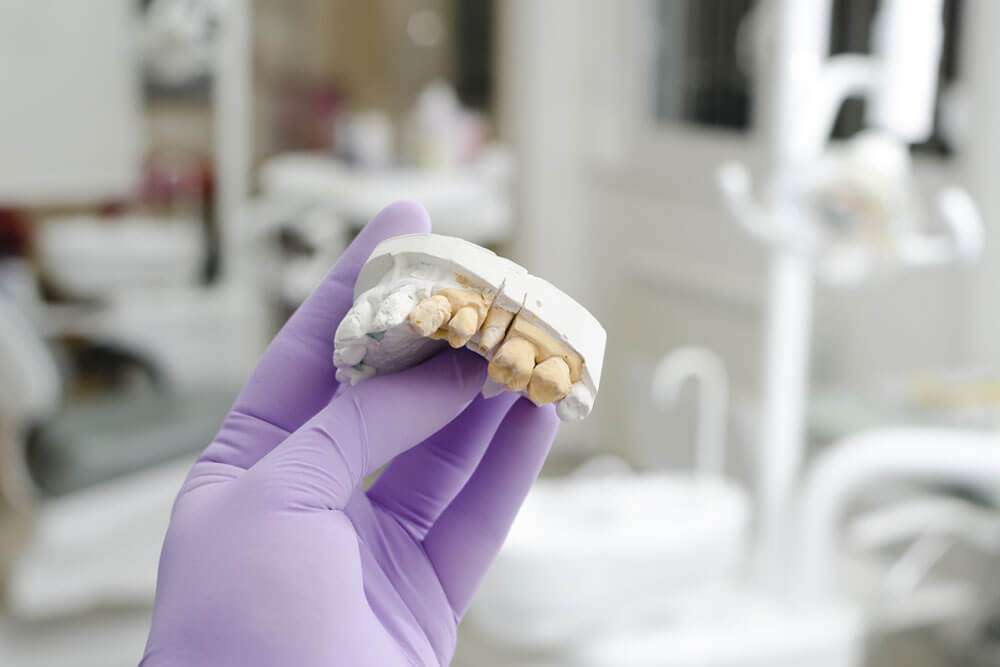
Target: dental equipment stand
{"x":935,"y":456}
{"x":899,"y":81}
{"x":914,"y":454}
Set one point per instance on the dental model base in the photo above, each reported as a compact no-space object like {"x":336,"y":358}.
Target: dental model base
{"x":417,"y":292}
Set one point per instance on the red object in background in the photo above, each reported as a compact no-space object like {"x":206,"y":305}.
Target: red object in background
{"x":113,"y":208}
{"x":174,"y":183}
{"x":305,"y":115}
{"x":15,"y":233}
{"x":177,"y":181}
{"x":182,"y":184}
{"x":177,"y":184}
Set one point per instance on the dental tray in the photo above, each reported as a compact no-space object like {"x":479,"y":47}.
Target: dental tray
{"x":419,"y":292}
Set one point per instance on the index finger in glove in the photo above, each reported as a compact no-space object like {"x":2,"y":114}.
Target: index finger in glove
{"x":295,"y":377}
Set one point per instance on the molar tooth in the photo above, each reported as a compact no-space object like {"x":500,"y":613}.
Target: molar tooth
{"x":549,"y":381}
{"x":430,"y":314}
{"x":462,"y":326}
{"x":512,"y":364}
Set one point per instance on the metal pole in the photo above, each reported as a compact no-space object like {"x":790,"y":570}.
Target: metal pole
{"x":231,"y":105}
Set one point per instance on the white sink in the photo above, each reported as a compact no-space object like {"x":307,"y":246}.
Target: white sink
{"x":585,"y":550}
{"x":735,"y":629}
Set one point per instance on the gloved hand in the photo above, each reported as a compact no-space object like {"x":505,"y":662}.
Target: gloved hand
{"x":275,"y":554}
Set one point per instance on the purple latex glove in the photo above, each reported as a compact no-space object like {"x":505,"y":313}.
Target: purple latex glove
{"x":275,"y":555}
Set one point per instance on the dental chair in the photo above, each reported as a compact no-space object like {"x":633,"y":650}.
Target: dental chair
{"x":30,"y":390}
{"x":95,"y":481}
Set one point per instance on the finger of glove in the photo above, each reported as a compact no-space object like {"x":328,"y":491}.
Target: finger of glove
{"x":365,"y":426}
{"x":295,"y":377}
{"x":419,"y":483}
{"x":469,"y":533}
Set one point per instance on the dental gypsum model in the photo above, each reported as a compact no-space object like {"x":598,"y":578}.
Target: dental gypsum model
{"x":417,"y":291}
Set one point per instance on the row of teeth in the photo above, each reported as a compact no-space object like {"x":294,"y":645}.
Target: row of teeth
{"x":516,"y":364}
{"x":401,"y":320}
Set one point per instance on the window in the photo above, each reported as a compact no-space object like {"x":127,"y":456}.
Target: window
{"x":851,"y":33}
{"x":703,"y":59}
{"x":702,"y":70}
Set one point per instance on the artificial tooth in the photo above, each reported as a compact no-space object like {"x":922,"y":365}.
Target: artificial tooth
{"x":494,"y":328}
{"x":430,"y":314}
{"x":549,"y":381}
{"x":512,"y":364}
{"x":462,"y":326}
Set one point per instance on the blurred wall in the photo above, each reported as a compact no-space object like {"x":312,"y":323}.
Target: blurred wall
{"x":624,"y":208}
{"x":374,"y":54}
{"x":76,"y":138}
{"x":380,"y":54}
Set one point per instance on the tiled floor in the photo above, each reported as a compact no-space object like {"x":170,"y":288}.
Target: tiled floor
{"x":115,"y":638}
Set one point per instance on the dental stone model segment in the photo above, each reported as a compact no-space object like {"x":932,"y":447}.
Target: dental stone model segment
{"x":406,"y":300}
{"x":419,"y":291}
{"x":554,"y":341}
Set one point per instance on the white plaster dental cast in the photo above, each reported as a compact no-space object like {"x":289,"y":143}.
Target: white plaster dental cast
{"x":419,"y":292}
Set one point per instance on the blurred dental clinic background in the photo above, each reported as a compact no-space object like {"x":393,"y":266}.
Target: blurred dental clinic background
{"x":783,"y":211}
